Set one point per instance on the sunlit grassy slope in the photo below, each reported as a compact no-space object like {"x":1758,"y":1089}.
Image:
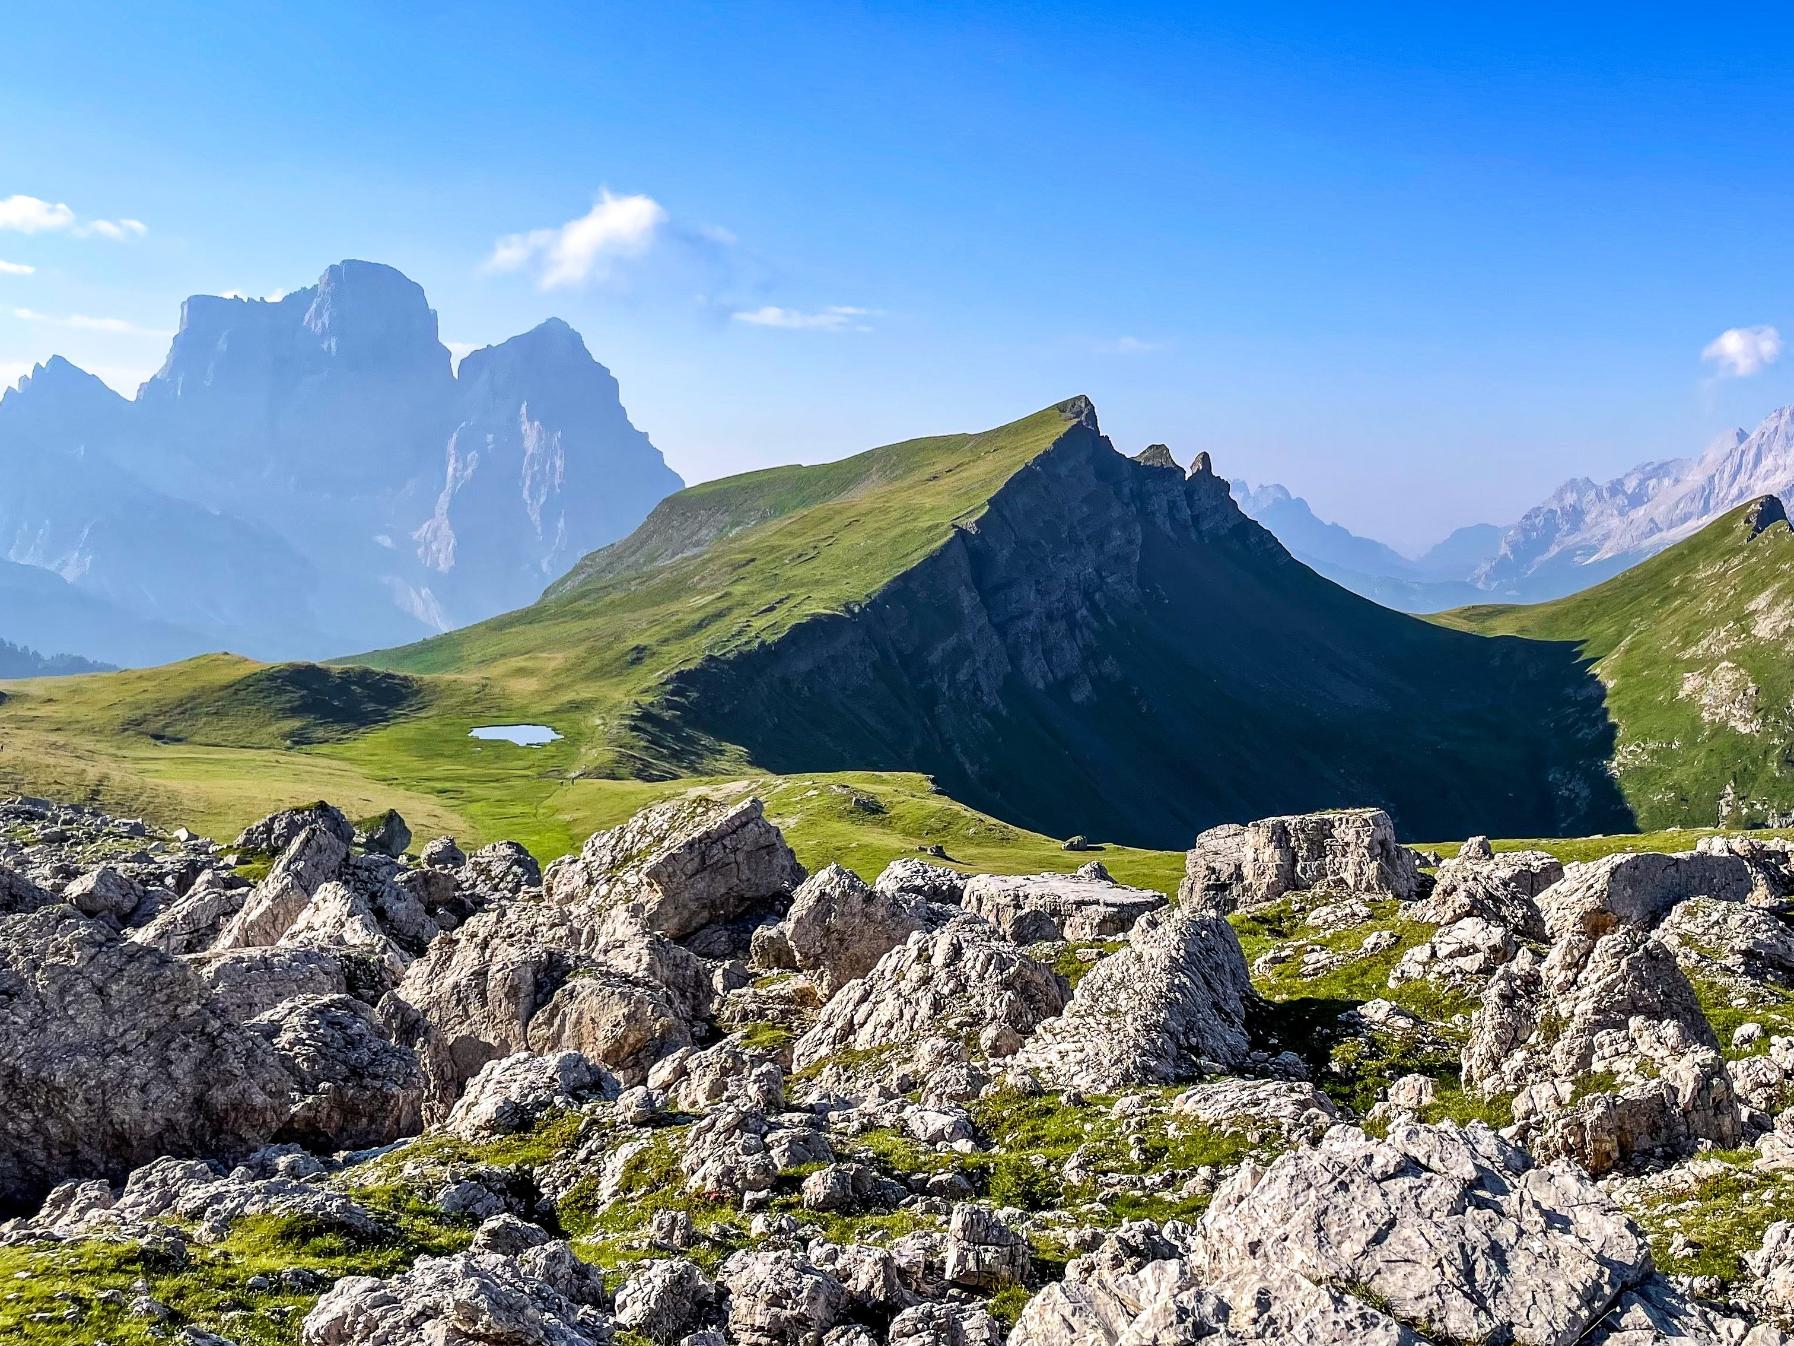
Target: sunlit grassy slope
{"x":215,"y":742}
{"x":1695,"y":647}
{"x":714,"y":569}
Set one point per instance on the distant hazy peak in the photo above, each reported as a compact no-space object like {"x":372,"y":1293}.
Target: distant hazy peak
{"x":57,"y":377}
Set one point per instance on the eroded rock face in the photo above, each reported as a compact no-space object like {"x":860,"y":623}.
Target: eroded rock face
{"x":1638,"y":890}
{"x":1502,"y":889}
{"x":512,"y":1093}
{"x":966,"y":982}
{"x":1434,"y":1234}
{"x":247,"y":982}
{"x":918,"y":879}
{"x":313,"y":858}
{"x":470,"y":1297}
{"x":666,"y":1300}
{"x":278,"y":831}
{"x":779,"y":1298}
{"x":1616,"y":1008}
{"x":355,"y":1087}
{"x":1454,"y":1232}
{"x":1168,"y":1007}
{"x":1039,"y":907}
{"x":111,"y":1054}
{"x":1348,"y":850}
{"x":681,"y":866}
{"x":838,"y":927}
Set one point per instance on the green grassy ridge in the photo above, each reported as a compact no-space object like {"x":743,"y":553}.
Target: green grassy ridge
{"x":1716,"y":609}
{"x":718,"y":568}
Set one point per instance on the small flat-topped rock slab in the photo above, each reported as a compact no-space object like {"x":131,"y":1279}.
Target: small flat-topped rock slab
{"x":1033,"y":907}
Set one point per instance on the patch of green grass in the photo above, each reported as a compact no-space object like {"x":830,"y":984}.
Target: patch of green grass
{"x":1361,"y":977}
{"x":1770,"y":1006}
{"x":1724,"y":1217}
{"x":210,"y":1289}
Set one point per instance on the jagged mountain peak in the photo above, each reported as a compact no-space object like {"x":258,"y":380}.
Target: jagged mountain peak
{"x":1155,"y":455}
{"x":1764,"y":513}
{"x":57,"y":377}
{"x":406,"y":499}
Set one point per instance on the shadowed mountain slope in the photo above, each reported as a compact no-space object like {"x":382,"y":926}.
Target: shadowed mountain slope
{"x":1060,"y":635}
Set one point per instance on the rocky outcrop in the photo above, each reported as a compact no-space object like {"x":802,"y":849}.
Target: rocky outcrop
{"x":354,"y":1087}
{"x":838,"y":928}
{"x":310,"y":860}
{"x":964,"y":989}
{"x":1348,"y":851}
{"x":273,"y":835}
{"x":1615,"y":1009}
{"x":679,"y":866}
{"x":1435,"y":1234}
{"x":1169,"y":1007}
{"x":111,"y":1054}
{"x":526,"y":1300}
{"x":1638,"y":890}
{"x":780,"y":1299}
{"x":513,"y":1093}
{"x":1035,"y":908}
{"x":1501,"y":889}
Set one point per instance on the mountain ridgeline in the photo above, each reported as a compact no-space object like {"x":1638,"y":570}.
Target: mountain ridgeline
{"x":1692,"y":650}
{"x":310,"y":474}
{"x":1062,"y":636}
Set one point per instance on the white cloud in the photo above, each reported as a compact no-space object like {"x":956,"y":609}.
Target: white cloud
{"x":459,"y":351}
{"x":1740,"y":352}
{"x":835,"y":318}
{"x":11,"y":371}
{"x":1129,"y":345}
{"x":28,"y":215}
{"x":81,"y":322}
{"x":272,"y":297}
{"x":32,"y":215}
{"x":616,"y":228}
{"x":16,"y":269}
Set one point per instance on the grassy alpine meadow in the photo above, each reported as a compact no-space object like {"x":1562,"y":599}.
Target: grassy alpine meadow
{"x":1691,"y":647}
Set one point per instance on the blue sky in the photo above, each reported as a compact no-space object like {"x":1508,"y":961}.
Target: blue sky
{"x":1419,"y":265}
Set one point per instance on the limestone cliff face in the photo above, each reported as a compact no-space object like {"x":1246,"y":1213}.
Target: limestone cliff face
{"x":308,"y":475}
{"x":1112,"y":648}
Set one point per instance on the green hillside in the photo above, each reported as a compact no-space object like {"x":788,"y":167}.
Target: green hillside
{"x":1692,"y":648}
{"x":718,"y":568}
{"x":1051,"y":633}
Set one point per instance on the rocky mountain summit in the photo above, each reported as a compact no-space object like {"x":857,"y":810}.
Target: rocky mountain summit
{"x":323,"y":1086}
{"x":309,"y":475}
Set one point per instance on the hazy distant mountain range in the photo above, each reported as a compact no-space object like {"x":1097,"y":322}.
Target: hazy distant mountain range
{"x":1581,"y":534}
{"x":309,"y":476}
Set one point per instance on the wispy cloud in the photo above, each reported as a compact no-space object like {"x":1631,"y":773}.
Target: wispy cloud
{"x":459,"y":351}
{"x":11,"y":371}
{"x":32,"y":215}
{"x":615,"y":229}
{"x":1739,"y":352}
{"x":81,"y":322}
{"x":1128,"y":345}
{"x":835,"y":318}
{"x":16,"y":269}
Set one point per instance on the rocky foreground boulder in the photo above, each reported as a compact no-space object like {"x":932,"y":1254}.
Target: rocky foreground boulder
{"x":111,"y":1053}
{"x":1169,"y":1007}
{"x":1434,"y":1235}
{"x":371,"y":1100}
{"x":1345,"y":850}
